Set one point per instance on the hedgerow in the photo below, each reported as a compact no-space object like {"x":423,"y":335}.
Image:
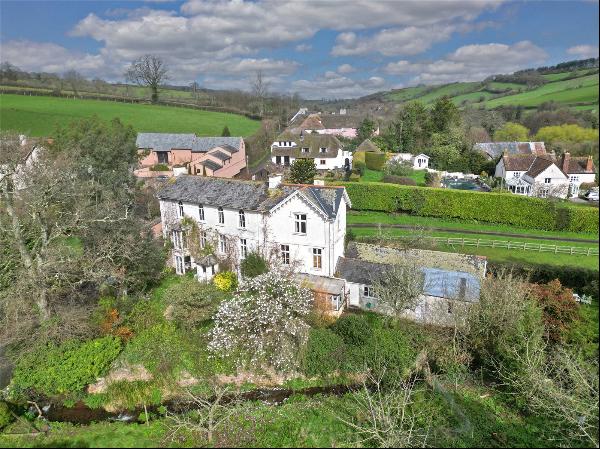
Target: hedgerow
{"x":375,"y":161}
{"x":502,"y":208}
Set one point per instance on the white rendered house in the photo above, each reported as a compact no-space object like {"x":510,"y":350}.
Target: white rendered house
{"x":419,"y":162}
{"x":325,"y":150}
{"x":304,"y":226}
{"x":532,"y":175}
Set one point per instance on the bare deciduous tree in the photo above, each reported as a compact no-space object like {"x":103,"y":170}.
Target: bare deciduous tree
{"x":148,"y":70}
{"x":260,"y":89}
{"x":75,"y":80}
{"x":398,"y":288}
{"x":208,"y":415}
{"x":385,"y":414}
{"x":557,"y":386}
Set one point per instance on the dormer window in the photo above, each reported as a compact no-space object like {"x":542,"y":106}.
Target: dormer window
{"x":305,"y":149}
{"x":323,"y":150}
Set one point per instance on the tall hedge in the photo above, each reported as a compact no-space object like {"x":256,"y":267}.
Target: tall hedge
{"x":502,"y":208}
{"x":375,"y":161}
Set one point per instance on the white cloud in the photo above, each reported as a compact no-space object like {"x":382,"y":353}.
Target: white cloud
{"x":48,"y":57}
{"x":584,"y":51}
{"x":472,"y":63}
{"x":346,"y":68}
{"x":303,"y":47}
{"x":334,"y":85}
{"x":221,"y":39}
{"x":405,"y":41}
{"x":402,"y":67}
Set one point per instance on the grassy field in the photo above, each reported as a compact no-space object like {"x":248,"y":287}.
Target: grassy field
{"x":493,"y":254}
{"x":425,"y":222}
{"x":571,"y":88}
{"x":38,"y":116}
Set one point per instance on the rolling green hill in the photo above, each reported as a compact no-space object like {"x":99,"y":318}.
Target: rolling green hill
{"x":39,"y":115}
{"x":577,"y":89}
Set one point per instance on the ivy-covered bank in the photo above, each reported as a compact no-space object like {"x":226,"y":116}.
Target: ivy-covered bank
{"x":501,"y":208}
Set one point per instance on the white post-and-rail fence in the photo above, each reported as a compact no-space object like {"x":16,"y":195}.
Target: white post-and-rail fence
{"x":524,"y":246}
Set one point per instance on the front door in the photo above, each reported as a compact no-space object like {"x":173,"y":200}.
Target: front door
{"x":163,"y":157}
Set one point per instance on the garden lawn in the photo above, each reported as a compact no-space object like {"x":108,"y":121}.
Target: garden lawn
{"x":371,"y":175}
{"x":38,"y":116}
{"x":493,"y":254}
{"x":425,"y":222}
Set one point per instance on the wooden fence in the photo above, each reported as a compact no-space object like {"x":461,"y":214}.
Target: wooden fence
{"x":523,"y":246}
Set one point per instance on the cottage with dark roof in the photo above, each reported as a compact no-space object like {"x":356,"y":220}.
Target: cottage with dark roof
{"x":542,"y":176}
{"x":302,"y":226}
{"x":223,"y":157}
{"x":451,"y":282}
{"x":494,"y":150}
{"x":325,"y":150}
{"x":342,"y":124}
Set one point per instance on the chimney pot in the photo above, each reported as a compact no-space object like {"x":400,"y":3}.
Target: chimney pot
{"x":565,"y":162}
{"x":589,"y":166}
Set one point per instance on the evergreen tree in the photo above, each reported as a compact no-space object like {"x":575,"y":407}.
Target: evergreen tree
{"x":303,"y":171}
{"x":225,"y":132}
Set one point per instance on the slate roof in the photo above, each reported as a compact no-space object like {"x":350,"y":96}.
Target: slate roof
{"x":168,"y":141}
{"x":437,"y":282}
{"x":334,"y":121}
{"x":495,"y":149}
{"x":230,"y":148}
{"x":313,"y":141}
{"x":211,"y":164}
{"x":368,"y":145}
{"x":220,"y":155}
{"x":248,"y":195}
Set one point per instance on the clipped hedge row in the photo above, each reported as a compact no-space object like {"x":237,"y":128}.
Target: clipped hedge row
{"x":375,"y":161}
{"x":502,"y":208}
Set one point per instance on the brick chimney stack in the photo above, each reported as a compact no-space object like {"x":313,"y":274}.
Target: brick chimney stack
{"x":589,"y":166}
{"x":565,"y":162}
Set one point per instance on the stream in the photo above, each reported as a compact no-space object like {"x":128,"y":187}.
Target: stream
{"x":82,"y":414}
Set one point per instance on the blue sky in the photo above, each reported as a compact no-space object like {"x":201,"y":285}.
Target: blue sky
{"x":318,"y":48}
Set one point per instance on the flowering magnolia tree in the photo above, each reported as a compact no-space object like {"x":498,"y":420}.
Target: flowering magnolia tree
{"x":264,"y":323}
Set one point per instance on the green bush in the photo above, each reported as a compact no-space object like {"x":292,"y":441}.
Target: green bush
{"x":581,"y":280}
{"x":253,"y":265}
{"x":354,"y":329}
{"x":53,"y":370}
{"x":375,"y":161}
{"x":502,"y":208}
{"x":5,"y":416}
{"x":324,"y":353}
{"x":159,"y":167}
{"x":393,"y":179}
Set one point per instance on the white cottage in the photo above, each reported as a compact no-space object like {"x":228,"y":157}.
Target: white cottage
{"x":304,"y":226}
{"x":533,"y":175}
{"x":419,"y":162}
{"x":580,"y":170}
{"x":325,"y":150}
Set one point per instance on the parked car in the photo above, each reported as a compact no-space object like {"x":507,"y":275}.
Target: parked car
{"x":592,"y":195}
